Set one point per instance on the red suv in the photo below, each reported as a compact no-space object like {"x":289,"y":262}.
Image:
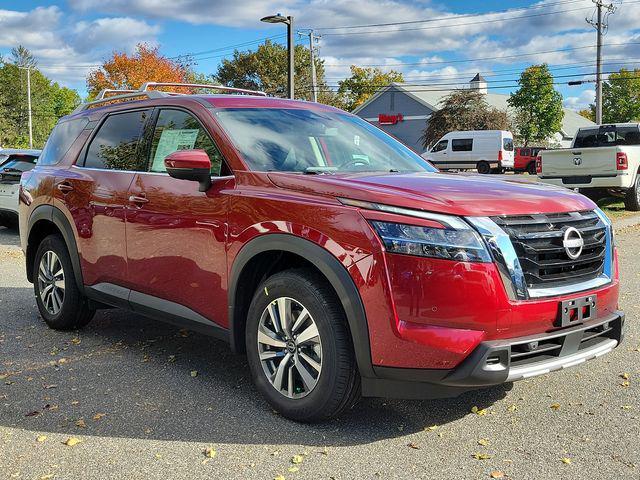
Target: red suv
{"x":524,"y":159}
{"x":341,"y":262}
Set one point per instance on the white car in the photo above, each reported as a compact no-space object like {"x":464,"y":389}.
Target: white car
{"x":604,"y":157}
{"x":12,"y":163}
{"x":484,"y":150}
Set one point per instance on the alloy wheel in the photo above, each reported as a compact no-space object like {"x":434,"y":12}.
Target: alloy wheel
{"x":51,"y":282}
{"x":289,"y":347}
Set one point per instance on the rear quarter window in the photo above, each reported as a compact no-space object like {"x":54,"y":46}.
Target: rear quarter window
{"x":507,"y":144}
{"x":60,"y":140}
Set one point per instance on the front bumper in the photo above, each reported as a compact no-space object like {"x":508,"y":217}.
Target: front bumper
{"x":500,"y":361}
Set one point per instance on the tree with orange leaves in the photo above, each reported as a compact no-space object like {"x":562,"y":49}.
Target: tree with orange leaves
{"x":129,"y":72}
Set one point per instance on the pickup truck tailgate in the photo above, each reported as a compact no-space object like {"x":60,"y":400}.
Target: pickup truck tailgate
{"x":577,"y":162}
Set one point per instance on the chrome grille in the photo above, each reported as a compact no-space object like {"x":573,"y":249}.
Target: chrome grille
{"x":538,"y":242}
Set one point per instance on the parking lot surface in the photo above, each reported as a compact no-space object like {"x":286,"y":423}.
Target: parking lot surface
{"x":146,"y":400}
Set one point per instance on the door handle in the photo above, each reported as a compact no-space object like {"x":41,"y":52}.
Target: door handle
{"x":137,"y":199}
{"x":64,"y":187}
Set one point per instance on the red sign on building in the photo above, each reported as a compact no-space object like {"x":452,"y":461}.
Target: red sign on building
{"x":389,"y":119}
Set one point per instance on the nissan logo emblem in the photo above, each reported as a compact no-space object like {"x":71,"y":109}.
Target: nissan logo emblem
{"x":572,"y":243}
{"x":577,"y":161}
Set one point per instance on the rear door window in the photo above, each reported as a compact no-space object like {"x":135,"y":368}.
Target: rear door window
{"x":507,"y":144}
{"x":178,"y":130}
{"x":115,"y":146}
{"x":462,"y":145}
{"x":61,"y":139}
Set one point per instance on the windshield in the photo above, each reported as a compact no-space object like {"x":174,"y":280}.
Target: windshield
{"x":307,"y":141}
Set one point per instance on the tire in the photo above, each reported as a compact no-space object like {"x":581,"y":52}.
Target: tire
{"x":632,"y":196}
{"x":531,"y":168}
{"x":331,"y":388}
{"x":483,"y":167}
{"x":62,"y":306}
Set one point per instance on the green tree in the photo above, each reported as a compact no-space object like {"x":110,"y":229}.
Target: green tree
{"x":364,"y":82}
{"x":537,"y":105}
{"x":621,"y":97}
{"x":266,"y":69}
{"x":463,"y":110}
{"x":49,"y":101}
{"x":588,"y":113}
{"x":22,"y":57}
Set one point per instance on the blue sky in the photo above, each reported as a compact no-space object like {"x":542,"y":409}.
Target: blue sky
{"x":442,"y":46}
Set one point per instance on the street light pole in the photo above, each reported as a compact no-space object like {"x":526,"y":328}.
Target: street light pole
{"x":28,"y":69}
{"x":290,"y":47}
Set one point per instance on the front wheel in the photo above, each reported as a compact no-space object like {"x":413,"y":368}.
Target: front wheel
{"x":59,"y":300}
{"x":299,"y":348}
{"x":632,"y":196}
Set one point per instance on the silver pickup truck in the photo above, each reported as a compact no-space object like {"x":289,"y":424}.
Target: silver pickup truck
{"x":604,"y":157}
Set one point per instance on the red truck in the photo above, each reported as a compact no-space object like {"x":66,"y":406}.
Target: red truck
{"x":338,"y":260}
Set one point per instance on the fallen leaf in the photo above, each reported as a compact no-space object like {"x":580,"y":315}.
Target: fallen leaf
{"x":76,"y":341}
{"x":432,"y":428}
{"x":3,"y":376}
{"x":72,"y":441}
{"x":32,"y":414}
{"x":172,"y":358}
{"x":297,"y":459}
{"x":478,"y":411}
{"x":48,"y":476}
{"x":62,"y":360}
{"x":49,"y":387}
{"x":81,"y":423}
{"x":624,"y":376}
{"x":194,"y":373}
{"x":415,"y":446}
{"x":496,"y":474}
{"x":279,"y":477}
{"x":483,"y":441}
{"x":625,"y":384}
{"x":554,"y":406}
{"x":626,"y":407}
{"x":512,"y":408}
{"x":98,"y":416}
{"x":566,"y":461}
{"x":481,"y":456}
{"x":41,"y":438}
{"x":293,"y":469}
{"x":210,"y":452}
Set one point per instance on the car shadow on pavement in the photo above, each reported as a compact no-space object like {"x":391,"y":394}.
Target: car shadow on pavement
{"x":129,"y":376}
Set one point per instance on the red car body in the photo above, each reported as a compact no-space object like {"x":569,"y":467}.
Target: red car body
{"x":414,"y":321}
{"x":524,"y":159}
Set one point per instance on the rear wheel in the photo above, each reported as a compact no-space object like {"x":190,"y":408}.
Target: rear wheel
{"x":531,"y":168}
{"x":632,"y":196}
{"x":483,"y":167}
{"x":59,"y":300}
{"x":299,"y":348}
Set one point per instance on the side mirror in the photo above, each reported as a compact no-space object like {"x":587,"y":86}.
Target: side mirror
{"x":191,"y":165}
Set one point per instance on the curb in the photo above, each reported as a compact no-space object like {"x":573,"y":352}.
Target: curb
{"x":626,"y":222}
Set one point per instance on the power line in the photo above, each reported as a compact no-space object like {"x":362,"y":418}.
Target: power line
{"x":465,"y":60}
{"x":453,"y":16}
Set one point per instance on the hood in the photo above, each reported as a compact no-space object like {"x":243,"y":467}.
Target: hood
{"x":455,"y":194}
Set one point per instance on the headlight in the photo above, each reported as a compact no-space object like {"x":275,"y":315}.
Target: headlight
{"x":459,"y":244}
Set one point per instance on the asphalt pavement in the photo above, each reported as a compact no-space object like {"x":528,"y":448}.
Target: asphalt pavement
{"x":149,"y":401}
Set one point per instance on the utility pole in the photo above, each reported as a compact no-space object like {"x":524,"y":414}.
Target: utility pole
{"x":312,"y":47}
{"x":603,"y":10}
{"x":28,"y":69}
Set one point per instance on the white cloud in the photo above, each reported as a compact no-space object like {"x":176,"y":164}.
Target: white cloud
{"x":586,"y":98}
{"x":18,"y":27}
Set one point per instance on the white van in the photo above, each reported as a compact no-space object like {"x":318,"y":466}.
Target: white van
{"x":483,"y":150}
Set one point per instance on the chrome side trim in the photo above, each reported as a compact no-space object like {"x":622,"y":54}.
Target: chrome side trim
{"x":504,"y":255}
{"x":546,"y":366}
{"x":567,"y":289}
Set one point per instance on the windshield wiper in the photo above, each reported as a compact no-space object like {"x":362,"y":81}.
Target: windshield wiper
{"x":320,"y":170}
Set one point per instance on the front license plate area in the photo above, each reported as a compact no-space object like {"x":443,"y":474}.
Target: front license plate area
{"x":577,"y":310}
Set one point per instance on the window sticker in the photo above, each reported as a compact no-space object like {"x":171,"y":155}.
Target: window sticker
{"x":172,"y":141}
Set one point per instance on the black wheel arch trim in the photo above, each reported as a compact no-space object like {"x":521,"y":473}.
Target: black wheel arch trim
{"x":336,"y":274}
{"x":55,"y":216}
